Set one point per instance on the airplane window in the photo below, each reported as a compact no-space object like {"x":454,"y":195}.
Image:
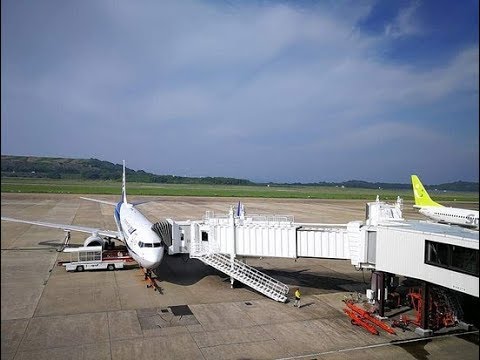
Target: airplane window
{"x":148,"y":245}
{"x":140,"y":244}
{"x":156,"y":244}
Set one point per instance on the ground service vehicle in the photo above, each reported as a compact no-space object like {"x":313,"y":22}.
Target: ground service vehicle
{"x":94,"y":258}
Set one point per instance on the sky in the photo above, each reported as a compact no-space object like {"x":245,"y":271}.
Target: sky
{"x":282,"y":91}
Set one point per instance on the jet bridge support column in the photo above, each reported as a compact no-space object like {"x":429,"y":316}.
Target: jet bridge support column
{"x":426,"y":305}
{"x":381,"y":297}
{"x":378,"y":285}
{"x":234,"y":245}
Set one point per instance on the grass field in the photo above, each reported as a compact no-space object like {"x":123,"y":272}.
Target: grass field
{"x":19,"y":185}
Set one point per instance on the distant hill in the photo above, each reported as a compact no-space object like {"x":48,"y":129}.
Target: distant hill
{"x":94,"y":169}
{"x":454,"y":186}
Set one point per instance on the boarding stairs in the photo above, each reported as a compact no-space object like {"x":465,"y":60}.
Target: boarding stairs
{"x":244,"y":273}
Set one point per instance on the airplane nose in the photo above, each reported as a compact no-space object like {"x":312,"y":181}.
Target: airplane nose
{"x":153,"y":260}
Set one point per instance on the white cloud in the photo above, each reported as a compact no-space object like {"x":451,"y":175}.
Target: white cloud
{"x":406,"y":23}
{"x":261,"y":77}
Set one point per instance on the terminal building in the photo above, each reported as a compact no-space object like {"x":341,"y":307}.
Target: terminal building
{"x":442,"y":259}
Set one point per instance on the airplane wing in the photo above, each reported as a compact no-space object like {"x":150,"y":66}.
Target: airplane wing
{"x":134,"y":203}
{"x":84,"y":229}
{"x":99,"y":201}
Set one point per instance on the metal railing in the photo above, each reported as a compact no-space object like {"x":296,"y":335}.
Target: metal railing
{"x":202,"y":248}
{"x":208,"y":252}
{"x":256,"y":278}
{"x":242,"y":272}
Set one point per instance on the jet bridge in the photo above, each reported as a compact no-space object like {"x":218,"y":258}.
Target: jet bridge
{"x":262,"y":236}
{"x":365,"y":243}
{"x":385,"y":243}
{"x":219,"y":240}
{"x":237,"y":234}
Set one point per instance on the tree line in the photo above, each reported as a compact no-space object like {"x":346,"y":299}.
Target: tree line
{"x":94,"y":169}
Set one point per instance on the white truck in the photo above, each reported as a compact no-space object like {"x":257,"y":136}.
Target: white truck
{"x":95,"y":258}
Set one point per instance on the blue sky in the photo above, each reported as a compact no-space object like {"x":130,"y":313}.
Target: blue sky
{"x":285,"y":91}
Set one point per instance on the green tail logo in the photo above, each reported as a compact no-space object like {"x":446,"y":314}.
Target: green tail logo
{"x":420,"y":194}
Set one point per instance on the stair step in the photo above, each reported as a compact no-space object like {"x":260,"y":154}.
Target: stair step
{"x":248,"y":275}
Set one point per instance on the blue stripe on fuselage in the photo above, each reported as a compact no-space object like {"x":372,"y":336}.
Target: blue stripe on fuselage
{"x":117,"y":211}
{"x":117,"y":216}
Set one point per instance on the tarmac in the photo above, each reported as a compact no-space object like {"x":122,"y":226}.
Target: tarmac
{"x":49,"y":313}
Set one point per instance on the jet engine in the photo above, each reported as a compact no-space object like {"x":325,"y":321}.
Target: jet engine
{"x":95,"y":240}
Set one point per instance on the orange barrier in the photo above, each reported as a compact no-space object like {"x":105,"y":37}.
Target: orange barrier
{"x":357,"y":320}
{"x":367,"y":316}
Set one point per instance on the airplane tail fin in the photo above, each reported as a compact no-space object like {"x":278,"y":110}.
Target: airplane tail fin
{"x":420,"y":194}
{"x":124,"y":189}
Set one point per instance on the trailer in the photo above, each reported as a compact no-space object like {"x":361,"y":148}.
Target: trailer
{"x":95,"y":258}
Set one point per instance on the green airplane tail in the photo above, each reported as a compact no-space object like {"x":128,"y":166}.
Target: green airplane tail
{"x":421,"y":196}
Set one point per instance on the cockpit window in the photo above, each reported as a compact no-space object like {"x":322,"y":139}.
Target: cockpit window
{"x":149,"y":245}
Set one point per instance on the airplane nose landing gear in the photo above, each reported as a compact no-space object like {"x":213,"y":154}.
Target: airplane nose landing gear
{"x":151,"y":283}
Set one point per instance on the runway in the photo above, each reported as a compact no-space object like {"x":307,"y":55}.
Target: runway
{"x":47,"y":313}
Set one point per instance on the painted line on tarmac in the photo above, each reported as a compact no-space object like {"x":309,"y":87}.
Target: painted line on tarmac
{"x":391,"y":343}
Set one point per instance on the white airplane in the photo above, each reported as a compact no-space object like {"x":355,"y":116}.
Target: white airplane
{"x":440,"y":213}
{"x":143,"y":243}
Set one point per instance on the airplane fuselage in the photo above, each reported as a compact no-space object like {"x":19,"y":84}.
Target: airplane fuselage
{"x":142,"y":243}
{"x":448,"y":215}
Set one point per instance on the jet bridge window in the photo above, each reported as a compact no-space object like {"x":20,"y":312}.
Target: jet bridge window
{"x":204,"y":236}
{"x":436,"y":253}
{"x":452,"y":257}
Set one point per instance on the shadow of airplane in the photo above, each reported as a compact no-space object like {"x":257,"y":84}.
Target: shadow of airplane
{"x":56,"y":244}
{"x":182,"y":270}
